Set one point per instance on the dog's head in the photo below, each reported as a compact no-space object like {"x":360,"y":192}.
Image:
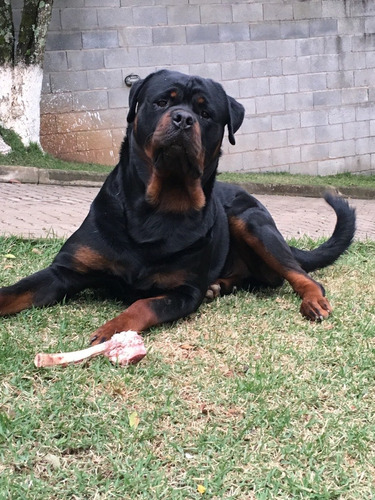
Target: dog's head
{"x":178,"y":122}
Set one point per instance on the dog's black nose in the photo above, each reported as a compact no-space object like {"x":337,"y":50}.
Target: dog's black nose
{"x":182,"y":119}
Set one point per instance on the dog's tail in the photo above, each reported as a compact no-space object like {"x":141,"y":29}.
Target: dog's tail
{"x":340,"y":240}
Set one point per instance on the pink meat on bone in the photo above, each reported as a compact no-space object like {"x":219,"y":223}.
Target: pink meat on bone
{"x":123,"y":348}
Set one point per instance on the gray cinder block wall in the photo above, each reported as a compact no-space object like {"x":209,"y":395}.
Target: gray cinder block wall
{"x":304,"y":70}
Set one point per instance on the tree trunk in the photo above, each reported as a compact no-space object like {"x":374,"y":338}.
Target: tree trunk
{"x":21,"y":67}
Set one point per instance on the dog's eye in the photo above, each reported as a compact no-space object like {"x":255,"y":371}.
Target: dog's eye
{"x":161,"y":103}
{"x":204,"y":114}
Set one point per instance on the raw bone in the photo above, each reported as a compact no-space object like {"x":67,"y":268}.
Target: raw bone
{"x":123,"y":348}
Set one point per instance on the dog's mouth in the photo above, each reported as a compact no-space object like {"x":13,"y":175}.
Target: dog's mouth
{"x":177,"y":160}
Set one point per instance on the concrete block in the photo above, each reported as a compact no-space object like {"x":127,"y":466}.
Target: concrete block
{"x":64,"y":41}
{"x":152,"y":15}
{"x":102,"y":3}
{"x":216,"y":14}
{"x":356,"y":130}
{"x":231,"y":163}
{"x":54,"y":25}
{"x":327,"y":98}
{"x":118,"y":98}
{"x":78,"y":19}
{"x":370,"y":60}
{"x":90,"y":100}
{"x":115,"y":18}
{"x":301,"y":100}
{"x":314,"y":118}
{"x":202,"y":33}
{"x":183,"y":15}
{"x":307,"y":168}
{"x":251,"y":50}
{"x":260,"y":159}
{"x":312,"y":82}
{"x":105,"y":79}
{"x":352,"y":60}
{"x":362,"y":8}
{"x":250,"y":12}
{"x":296,"y":65}
{"x":278,"y":11}
{"x":66,"y":81}
{"x":337,"y":44}
{"x":81,"y":60}
{"x":61,"y":102}
{"x":323,"y":27}
{"x":169,"y":35}
{"x":331,"y":167}
{"x":311,"y":152}
{"x":251,"y":87}
{"x":135,"y":36}
{"x":249,"y":105}
{"x":121,"y":58}
{"x":232,"y":87}
{"x":234,"y":32}
{"x":245,"y":143}
{"x":286,"y":121}
{"x":294,"y":29}
{"x":340,"y":80}
{"x":274,"y":139}
{"x":363,"y":42}
{"x":269,"y":31}
{"x":149,"y":55}
{"x":237,"y":69}
{"x":341,"y":114}
{"x":370,"y":24}
{"x":188,"y":54}
{"x":219,"y":52}
{"x":206,"y":70}
{"x":354,"y":95}
{"x":285,"y":156}
{"x":329,"y":133}
{"x":281,"y":48}
{"x":365,"y":111}
{"x":48,"y":124}
{"x":307,"y":10}
{"x":55,"y":61}
{"x":267,"y":67}
{"x":340,"y":149}
{"x":283,"y":84}
{"x":309,"y":46}
{"x":364,"y":77}
{"x":324,"y":62}
{"x":299,"y":136}
{"x":94,"y":139}
{"x":100,"y":40}
{"x":254,"y":124}
{"x":335,"y":9}
{"x":270,"y":104}
{"x":351,"y":26}
{"x":364,"y":145}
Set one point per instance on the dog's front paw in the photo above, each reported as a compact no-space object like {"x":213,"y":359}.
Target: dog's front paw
{"x":315,"y":308}
{"x":100,"y":336}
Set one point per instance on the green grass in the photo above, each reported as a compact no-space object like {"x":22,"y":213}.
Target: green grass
{"x":338,"y":180}
{"x":33,"y":156}
{"x":245,"y":397}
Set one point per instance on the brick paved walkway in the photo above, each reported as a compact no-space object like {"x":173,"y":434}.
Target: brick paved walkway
{"x":44,"y":210}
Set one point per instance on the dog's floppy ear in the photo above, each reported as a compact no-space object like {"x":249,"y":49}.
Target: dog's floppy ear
{"x":133,"y":96}
{"x":236,"y":113}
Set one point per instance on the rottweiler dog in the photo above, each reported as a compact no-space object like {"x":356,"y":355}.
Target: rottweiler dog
{"x":162,"y":232}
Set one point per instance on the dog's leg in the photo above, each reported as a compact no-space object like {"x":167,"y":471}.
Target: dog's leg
{"x":43,"y":288}
{"x":256,"y":229}
{"x":145,"y":313}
